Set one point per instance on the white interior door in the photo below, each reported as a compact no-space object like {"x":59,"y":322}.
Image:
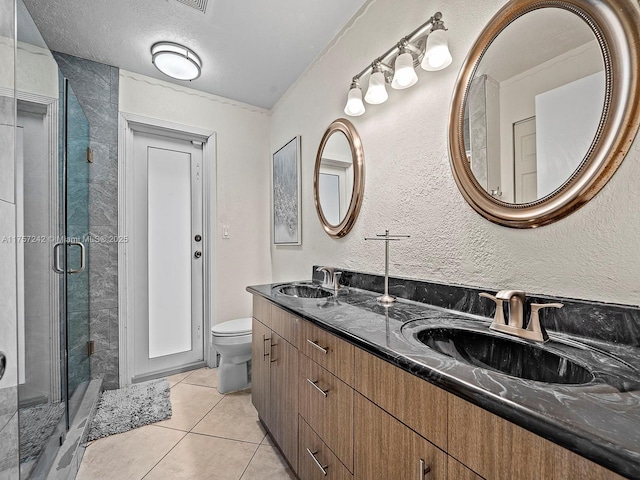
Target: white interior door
{"x":525,"y":159}
{"x":168,"y":250}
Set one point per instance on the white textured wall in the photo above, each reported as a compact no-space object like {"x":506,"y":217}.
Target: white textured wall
{"x":242,"y":179}
{"x":592,"y":254}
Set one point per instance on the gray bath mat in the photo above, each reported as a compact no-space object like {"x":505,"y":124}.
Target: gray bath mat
{"x":131,"y":407}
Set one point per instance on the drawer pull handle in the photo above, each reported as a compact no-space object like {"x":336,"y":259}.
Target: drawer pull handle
{"x":315,"y":384}
{"x":424,"y":469}
{"x":315,"y":344}
{"x":273,"y":360}
{"x":264,"y":347}
{"x":315,"y":459}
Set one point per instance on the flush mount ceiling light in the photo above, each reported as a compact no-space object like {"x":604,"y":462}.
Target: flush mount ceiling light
{"x":176,"y":61}
{"x":417,"y":48}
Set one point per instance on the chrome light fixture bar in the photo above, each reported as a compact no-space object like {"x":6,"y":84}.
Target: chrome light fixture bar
{"x":426,"y":46}
{"x":176,"y":61}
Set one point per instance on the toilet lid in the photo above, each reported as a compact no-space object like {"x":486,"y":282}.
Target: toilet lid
{"x":239,"y":326}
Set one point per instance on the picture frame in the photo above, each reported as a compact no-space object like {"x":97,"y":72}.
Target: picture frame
{"x":286,"y":194}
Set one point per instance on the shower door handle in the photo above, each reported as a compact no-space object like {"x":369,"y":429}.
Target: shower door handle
{"x":56,"y":258}
{"x":83,"y":259}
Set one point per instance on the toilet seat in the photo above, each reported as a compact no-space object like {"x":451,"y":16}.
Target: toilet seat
{"x":232,"y":328}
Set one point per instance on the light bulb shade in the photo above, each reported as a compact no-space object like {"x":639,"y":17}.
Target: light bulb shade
{"x":354,"y":107}
{"x":377,"y":91}
{"x":437,"y":55}
{"x":405,"y":75}
{"x":176,"y":61}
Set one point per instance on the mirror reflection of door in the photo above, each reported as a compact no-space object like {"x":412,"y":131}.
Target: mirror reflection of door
{"x":329,"y":186}
{"x":525,"y":163}
{"x":336,"y":178}
{"x":546,"y":65}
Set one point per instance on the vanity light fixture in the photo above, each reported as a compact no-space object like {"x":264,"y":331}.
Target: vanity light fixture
{"x":377,"y":91}
{"x":417,"y":48}
{"x":354,"y":107}
{"x":176,"y":61}
{"x":437,"y":55}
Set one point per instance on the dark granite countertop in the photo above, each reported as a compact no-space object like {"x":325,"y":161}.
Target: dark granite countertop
{"x":599,"y":420}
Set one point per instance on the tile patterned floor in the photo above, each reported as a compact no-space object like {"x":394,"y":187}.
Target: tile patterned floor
{"x":209,"y":436}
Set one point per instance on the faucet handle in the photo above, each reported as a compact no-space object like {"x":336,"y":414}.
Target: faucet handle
{"x":534,"y":319}
{"x":336,"y":283}
{"x":498,"y":318}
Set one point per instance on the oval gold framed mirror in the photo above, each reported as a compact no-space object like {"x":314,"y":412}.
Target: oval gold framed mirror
{"x":338,"y":178}
{"x":545,"y":108}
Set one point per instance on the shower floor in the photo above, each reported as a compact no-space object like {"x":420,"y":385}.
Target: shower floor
{"x":36,"y":426}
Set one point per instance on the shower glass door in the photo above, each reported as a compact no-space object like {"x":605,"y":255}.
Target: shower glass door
{"x":75,"y":199}
{"x":52,"y":233}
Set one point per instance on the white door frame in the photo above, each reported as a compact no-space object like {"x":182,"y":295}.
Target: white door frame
{"x":129,"y":123}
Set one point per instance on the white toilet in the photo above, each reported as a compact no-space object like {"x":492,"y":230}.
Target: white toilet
{"x":232,"y":340}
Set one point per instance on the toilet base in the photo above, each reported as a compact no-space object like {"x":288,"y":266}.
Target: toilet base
{"x":233,"y":376}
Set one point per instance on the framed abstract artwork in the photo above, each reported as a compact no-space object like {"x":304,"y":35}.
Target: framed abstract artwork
{"x":286,"y":194}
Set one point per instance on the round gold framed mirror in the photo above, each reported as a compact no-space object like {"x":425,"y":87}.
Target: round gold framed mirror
{"x":338,"y":178}
{"x":545,"y":108}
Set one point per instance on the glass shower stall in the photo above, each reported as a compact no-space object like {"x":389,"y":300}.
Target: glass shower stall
{"x":52,"y":233}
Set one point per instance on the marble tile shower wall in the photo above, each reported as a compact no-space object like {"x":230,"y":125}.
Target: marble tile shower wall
{"x":96,"y":86}
{"x":8,"y":285}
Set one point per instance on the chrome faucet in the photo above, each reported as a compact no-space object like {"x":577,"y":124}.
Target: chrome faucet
{"x":328,"y":275}
{"x":515,"y":325}
{"x":516,"y":300}
{"x":330,"y":280}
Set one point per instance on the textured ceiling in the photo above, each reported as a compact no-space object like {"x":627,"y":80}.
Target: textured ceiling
{"x":251,"y":51}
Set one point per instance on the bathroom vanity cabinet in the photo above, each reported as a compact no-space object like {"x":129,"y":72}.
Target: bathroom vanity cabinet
{"x":275,"y":374}
{"x":339,"y":412}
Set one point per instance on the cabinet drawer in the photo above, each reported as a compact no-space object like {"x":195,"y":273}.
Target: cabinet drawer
{"x":327,"y":350}
{"x":285,"y":324}
{"x":316,"y":460}
{"x":413,"y":401}
{"x":496,"y":448}
{"x":326,"y":403}
{"x":262,"y":310}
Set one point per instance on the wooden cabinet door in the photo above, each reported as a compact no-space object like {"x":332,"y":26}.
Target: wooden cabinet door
{"x":457,"y":471}
{"x":385,"y":448}
{"x":284,"y":397}
{"x":498,"y":449}
{"x":260,"y":366}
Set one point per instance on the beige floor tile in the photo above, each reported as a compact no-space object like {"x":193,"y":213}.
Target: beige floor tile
{"x":202,"y":457}
{"x":267,"y":464}
{"x":234,"y":418}
{"x":128,"y":455}
{"x":267,"y":441}
{"x":178,"y":377}
{"x":189,"y":404}
{"x":205,"y":377}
